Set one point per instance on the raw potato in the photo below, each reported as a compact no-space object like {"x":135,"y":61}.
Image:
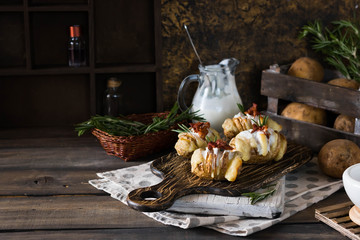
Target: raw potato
{"x":306,"y":113}
{"x":307,"y":68}
{"x":345,"y":123}
{"x":343,"y":82}
{"x":337,"y":155}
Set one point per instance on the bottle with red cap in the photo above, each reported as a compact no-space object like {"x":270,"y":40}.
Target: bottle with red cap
{"x":76,"y":48}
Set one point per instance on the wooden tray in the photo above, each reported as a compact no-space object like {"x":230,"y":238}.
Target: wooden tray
{"x":178,"y":180}
{"x":337,"y":217}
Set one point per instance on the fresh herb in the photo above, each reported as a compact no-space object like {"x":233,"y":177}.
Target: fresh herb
{"x":183,"y":129}
{"x":339,"y":44}
{"x":123,"y":127}
{"x":241,"y":108}
{"x":208,"y":139}
{"x":261,"y":123}
{"x":256,"y":197}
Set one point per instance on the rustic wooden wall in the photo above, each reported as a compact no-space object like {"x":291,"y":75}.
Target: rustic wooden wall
{"x":257,"y":32}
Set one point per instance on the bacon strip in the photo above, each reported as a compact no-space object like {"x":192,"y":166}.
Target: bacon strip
{"x":201,"y":128}
{"x":264,"y":129}
{"x":253,"y":110}
{"x":221,"y":144}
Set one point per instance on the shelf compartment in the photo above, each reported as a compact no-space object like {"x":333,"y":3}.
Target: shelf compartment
{"x":65,"y":8}
{"x":138,"y":92}
{"x":52,"y":101}
{"x":50,"y":50}
{"x":12,"y":52}
{"x":127,"y":68}
{"x":58,"y":2}
{"x":126,"y":38}
{"x":11,"y":3}
{"x":47,"y":71}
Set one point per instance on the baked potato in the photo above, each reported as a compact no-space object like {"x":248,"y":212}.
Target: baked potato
{"x":259,"y":145}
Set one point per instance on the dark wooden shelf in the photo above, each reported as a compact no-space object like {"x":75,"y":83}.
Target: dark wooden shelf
{"x":122,"y":38}
{"x":44,"y":71}
{"x":64,"y":8}
{"x":127,"y":68}
{"x":130,"y":68}
{"x":11,"y":8}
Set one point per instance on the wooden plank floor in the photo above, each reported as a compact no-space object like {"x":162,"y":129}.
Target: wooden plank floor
{"x":45,"y":194}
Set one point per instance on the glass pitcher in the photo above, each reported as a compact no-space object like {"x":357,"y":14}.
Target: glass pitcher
{"x":216,"y":97}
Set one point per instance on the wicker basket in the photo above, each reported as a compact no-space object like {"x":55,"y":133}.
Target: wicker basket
{"x":133,"y":147}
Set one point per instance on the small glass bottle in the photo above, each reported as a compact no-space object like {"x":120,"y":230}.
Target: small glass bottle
{"x":76,"y":48}
{"x":113,"y":104}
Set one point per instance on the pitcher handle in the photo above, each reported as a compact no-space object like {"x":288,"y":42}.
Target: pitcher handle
{"x":182,"y":90}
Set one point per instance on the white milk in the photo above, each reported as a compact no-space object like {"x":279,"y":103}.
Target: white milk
{"x":215,"y":110}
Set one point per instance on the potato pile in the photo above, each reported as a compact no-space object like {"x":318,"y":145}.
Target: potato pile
{"x":311,"y":69}
{"x":343,"y":122}
{"x":337,"y":155}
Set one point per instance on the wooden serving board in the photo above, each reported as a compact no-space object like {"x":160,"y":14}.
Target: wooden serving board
{"x":178,"y":180}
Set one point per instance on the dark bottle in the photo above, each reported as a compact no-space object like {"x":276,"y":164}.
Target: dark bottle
{"x":113,"y":102}
{"x":76,"y":48}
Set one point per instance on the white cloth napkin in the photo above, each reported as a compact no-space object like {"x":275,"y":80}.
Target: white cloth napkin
{"x":303,"y":187}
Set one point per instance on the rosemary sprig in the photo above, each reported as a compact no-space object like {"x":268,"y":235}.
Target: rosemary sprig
{"x":261,"y":123}
{"x":241,"y":108}
{"x":185,"y":129}
{"x":340,"y":45}
{"x":256,"y":197}
{"x":123,"y":127}
{"x":182,"y":129}
{"x":111,"y":125}
{"x":208,"y":139}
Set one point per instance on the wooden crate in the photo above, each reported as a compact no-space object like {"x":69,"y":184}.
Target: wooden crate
{"x":280,"y":86}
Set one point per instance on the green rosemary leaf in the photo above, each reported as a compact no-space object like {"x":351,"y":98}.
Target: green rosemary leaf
{"x":241,"y":108}
{"x":260,"y":123}
{"x":183,"y":129}
{"x":264,"y":122}
{"x":255,"y":122}
{"x":256,"y":197}
{"x":123,"y":127}
{"x":208,"y":139}
{"x":339,"y":44}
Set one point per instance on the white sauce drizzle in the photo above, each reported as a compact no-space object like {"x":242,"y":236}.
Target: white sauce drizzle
{"x":257,"y":136}
{"x":248,"y":116}
{"x":218,"y":159}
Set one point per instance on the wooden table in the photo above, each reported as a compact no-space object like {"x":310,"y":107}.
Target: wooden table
{"x":45,"y":195}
